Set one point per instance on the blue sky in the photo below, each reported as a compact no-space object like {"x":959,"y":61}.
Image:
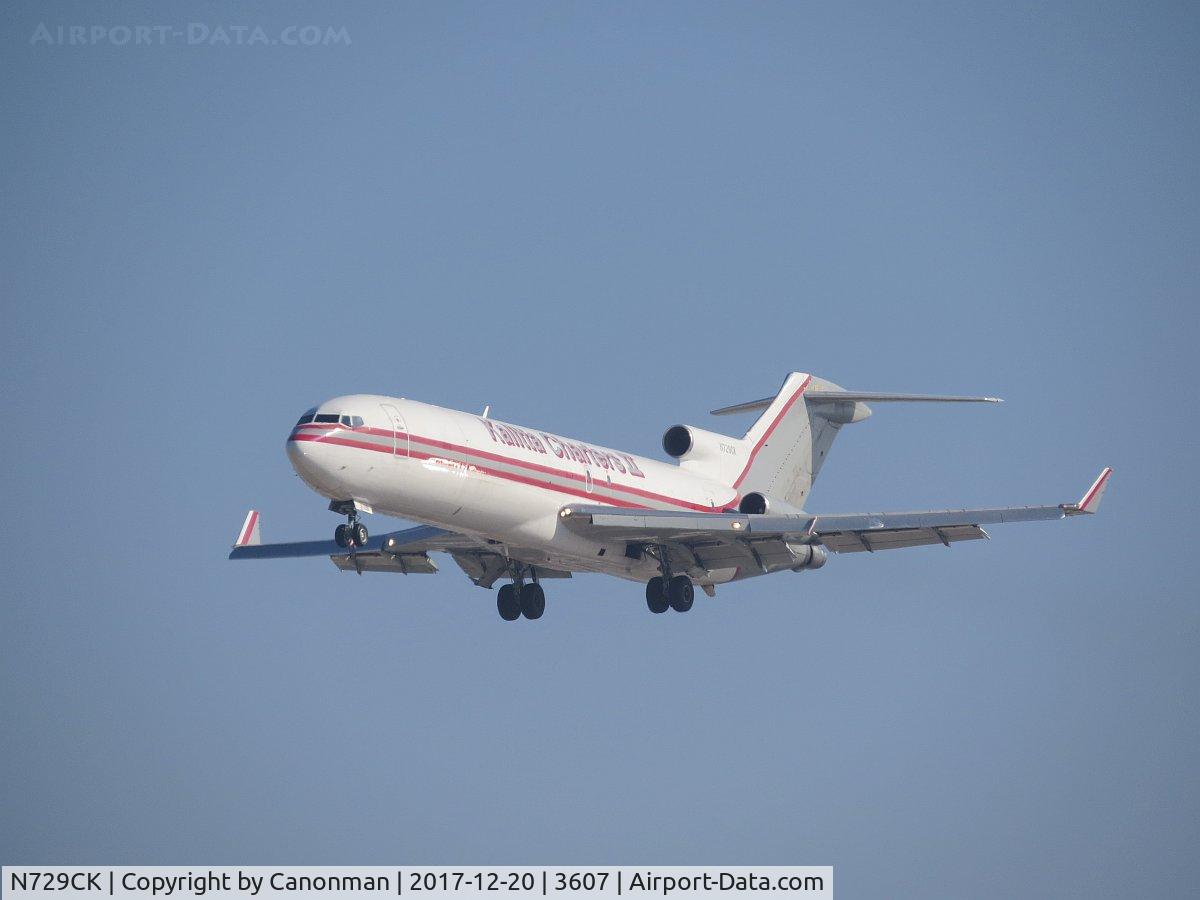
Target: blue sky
{"x":603,"y":220}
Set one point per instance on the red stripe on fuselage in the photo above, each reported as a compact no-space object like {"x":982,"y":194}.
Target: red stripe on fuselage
{"x":325,"y":438}
{"x":495,"y":457}
{"x":508,"y":476}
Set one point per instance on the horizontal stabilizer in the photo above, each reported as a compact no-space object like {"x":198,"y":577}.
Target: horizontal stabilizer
{"x":869,"y":397}
{"x":749,"y":406}
{"x":852,"y":397}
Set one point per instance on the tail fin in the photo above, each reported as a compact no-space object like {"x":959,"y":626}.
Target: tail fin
{"x":788,"y":443}
{"x":786,"y":447}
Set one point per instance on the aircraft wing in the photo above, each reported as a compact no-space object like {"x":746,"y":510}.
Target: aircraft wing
{"x":713,"y":541}
{"x":406,"y":552}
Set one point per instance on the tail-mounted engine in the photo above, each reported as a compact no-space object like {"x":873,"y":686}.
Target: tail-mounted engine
{"x":716,"y":456}
{"x":756,"y":504}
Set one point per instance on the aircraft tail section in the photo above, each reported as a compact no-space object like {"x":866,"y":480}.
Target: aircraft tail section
{"x":782,"y":453}
{"x":785,"y":447}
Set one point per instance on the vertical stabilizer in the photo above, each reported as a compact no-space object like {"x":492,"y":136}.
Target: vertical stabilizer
{"x":787,"y":446}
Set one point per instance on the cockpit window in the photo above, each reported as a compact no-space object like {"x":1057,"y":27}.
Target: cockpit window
{"x":306,"y":418}
{"x":326,"y":418}
{"x":345,"y":420}
{"x":356,"y":421}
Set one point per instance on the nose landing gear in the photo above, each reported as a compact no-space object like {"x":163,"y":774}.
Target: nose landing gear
{"x":352,"y":534}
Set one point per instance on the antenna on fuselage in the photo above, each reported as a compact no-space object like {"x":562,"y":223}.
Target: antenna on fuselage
{"x":487,"y":409}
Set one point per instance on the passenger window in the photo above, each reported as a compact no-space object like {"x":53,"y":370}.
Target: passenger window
{"x":326,"y":419}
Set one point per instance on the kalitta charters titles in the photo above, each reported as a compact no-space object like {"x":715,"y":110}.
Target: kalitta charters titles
{"x":200,"y":883}
{"x":512,"y":436}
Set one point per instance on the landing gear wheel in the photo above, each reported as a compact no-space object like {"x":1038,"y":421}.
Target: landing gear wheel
{"x":507,"y":603}
{"x":533,"y":601}
{"x":655,"y":598}
{"x":340,"y":537}
{"x":680,"y":593}
{"x":358,"y":531}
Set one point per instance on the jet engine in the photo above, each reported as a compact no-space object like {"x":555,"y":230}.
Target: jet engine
{"x":700,"y":449}
{"x":756,"y":504}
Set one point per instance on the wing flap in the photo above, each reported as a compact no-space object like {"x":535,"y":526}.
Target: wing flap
{"x":402,"y":563}
{"x":485,"y":568}
{"x":898,"y":538}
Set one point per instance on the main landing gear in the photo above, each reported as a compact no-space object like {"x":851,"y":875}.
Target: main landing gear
{"x":520,"y":599}
{"x":516,"y":600}
{"x":677,"y":594}
{"x":669,"y":591}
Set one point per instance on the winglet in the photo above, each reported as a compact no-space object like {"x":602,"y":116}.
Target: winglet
{"x":249,"y":535}
{"x":1090,"y":502}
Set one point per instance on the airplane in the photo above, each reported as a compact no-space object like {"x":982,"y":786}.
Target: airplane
{"x":523,"y":506}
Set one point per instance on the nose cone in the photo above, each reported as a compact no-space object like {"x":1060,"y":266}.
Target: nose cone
{"x":306,"y":459}
{"x":296,"y":455}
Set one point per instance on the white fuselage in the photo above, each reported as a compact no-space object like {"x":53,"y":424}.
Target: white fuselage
{"x":499,"y":483}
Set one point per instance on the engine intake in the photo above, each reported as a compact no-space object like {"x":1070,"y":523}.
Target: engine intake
{"x":754,"y":504}
{"x":711,"y":455}
{"x":677,"y":440}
